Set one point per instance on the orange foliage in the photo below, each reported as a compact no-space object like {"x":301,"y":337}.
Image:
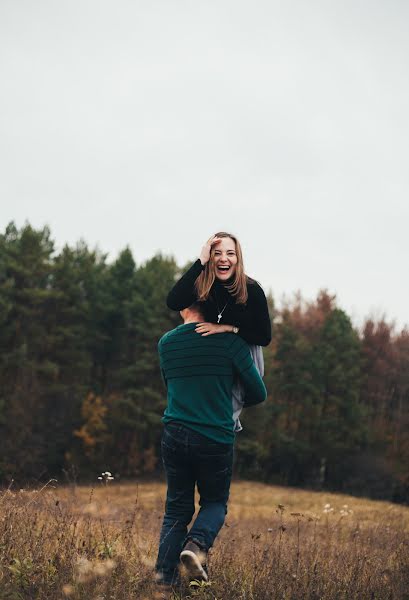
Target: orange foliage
{"x":94,"y":429}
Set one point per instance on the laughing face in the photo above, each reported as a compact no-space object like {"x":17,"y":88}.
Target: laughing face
{"x":225,"y":259}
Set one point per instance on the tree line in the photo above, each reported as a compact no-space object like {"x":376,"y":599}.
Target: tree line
{"x":81,"y":391}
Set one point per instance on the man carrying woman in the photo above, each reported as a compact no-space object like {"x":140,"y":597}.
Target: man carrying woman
{"x":200,"y":369}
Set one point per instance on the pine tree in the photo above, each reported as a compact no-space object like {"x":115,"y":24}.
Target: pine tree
{"x":69,"y":313}
{"x":27,"y":366}
{"x":138,"y":402}
{"x":341,"y":430}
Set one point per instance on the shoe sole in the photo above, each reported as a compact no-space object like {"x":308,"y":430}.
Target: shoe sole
{"x":193,"y":565}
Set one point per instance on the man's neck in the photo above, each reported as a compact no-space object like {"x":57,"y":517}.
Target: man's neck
{"x":194,"y":319}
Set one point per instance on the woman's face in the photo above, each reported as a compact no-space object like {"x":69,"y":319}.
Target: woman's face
{"x":225,"y":259}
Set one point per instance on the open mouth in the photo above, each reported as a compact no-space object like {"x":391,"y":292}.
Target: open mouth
{"x":223,"y":268}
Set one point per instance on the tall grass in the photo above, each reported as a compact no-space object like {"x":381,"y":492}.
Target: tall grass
{"x":278,"y":543}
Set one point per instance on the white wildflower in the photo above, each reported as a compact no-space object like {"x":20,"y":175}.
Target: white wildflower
{"x":106,"y":476}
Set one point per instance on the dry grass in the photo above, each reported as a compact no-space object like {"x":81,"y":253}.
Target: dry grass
{"x":100,"y":544}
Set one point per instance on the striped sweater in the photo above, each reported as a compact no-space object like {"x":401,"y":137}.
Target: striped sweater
{"x":199,"y":372}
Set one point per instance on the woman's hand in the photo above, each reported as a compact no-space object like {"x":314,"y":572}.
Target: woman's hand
{"x":211,"y":328}
{"x":205,"y":253}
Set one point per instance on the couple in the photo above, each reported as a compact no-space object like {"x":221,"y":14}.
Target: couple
{"x":200,"y":368}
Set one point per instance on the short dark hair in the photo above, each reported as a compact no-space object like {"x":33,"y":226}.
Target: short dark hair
{"x":196,"y":307}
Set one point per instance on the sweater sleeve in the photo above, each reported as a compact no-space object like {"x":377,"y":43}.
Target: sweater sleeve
{"x":162,"y":370}
{"x":254,"y":388}
{"x":183,"y":293}
{"x":256,"y":326}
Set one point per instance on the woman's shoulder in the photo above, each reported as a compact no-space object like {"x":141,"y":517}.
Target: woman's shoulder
{"x":253,"y":284}
{"x":254,"y":289}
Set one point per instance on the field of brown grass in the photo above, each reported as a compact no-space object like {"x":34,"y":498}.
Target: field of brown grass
{"x":79,"y":543}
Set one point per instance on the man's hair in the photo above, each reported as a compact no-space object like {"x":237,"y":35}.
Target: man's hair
{"x":238,"y":288}
{"x":195,"y":307}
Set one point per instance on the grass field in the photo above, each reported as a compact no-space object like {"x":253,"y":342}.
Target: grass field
{"x":278,"y":543}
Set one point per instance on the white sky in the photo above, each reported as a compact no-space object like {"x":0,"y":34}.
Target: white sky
{"x":156,"y":123}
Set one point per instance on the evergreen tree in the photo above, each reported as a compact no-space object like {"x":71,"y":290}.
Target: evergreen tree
{"x":138,"y":408}
{"x":69,"y":314}
{"x":317,"y":420}
{"x":400,"y":438}
{"x":294,"y":400}
{"x":119,"y":325}
{"x":27,"y":365}
{"x":341,"y":430}
{"x":134,"y":394}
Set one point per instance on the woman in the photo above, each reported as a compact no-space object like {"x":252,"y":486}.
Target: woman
{"x":230,"y":300}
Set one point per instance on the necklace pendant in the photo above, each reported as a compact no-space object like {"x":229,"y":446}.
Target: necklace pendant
{"x":219,"y":316}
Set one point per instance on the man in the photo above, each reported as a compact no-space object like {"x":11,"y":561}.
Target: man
{"x":198,"y":437}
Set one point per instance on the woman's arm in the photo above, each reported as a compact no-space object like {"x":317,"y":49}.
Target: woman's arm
{"x":183,"y":293}
{"x":211,"y":328}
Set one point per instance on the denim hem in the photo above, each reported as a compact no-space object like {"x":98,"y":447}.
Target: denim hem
{"x":199,"y":543}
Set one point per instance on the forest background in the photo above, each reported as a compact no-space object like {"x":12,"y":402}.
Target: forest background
{"x":81,"y":391}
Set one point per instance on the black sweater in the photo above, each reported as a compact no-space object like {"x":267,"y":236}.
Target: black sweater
{"x":251,"y":318}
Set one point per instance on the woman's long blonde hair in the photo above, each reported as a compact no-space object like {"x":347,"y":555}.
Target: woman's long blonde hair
{"x":238,"y":288}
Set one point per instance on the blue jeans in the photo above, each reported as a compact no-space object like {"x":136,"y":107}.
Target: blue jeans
{"x":190,"y":458}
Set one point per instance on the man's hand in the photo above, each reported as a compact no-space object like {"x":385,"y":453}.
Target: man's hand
{"x":211,"y":328}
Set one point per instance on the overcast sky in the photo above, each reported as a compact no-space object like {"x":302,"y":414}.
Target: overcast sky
{"x":156,"y":123}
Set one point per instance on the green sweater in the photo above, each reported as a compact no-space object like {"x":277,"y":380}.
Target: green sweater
{"x":199,"y":372}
